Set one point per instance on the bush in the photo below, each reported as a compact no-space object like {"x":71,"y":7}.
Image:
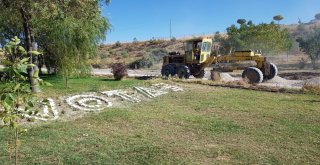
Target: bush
{"x":173,"y":39}
{"x":129,"y":49}
{"x":112,"y":53}
{"x":125,"y":54}
{"x":118,"y":44}
{"x":104,"y":55}
{"x":158,"y":54}
{"x":145,"y":62}
{"x":154,"y":41}
{"x":119,"y":70}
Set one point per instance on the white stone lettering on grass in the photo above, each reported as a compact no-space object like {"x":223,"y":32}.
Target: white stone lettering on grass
{"x":122,"y":94}
{"x":163,"y":86}
{"x":48,"y":106}
{"x":88,"y":102}
{"x":49,"y":111}
{"x":150,"y":92}
{"x":94,"y":102}
{"x":35,"y":117}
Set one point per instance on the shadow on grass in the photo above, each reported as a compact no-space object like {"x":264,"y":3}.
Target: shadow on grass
{"x":109,"y":80}
{"x":136,"y":78}
{"x":145,"y":77}
{"x":304,"y":101}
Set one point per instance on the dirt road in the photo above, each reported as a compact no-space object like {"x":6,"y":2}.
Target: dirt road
{"x":131,"y":73}
{"x":293,"y":80}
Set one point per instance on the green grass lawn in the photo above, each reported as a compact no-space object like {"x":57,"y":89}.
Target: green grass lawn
{"x":90,"y":84}
{"x":203,"y":125}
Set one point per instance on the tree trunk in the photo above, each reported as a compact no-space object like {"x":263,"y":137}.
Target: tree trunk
{"x":314,"y":64}
{"x":16,"y":134}
{"x":30,"y":46}
{"x":66,"y":81}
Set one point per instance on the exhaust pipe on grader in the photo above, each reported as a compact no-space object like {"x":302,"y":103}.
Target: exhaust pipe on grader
{"x":198,"y":55}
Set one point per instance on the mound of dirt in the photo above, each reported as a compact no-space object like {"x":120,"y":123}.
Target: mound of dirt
{"x":313,"y":82}
{"x":299,"y":75}
{"x":225,"y":77}
{"x":283,"y":83}
{"x":277,"y":79}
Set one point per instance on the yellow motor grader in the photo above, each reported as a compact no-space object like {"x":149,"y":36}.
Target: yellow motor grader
{"x":198,"y":55}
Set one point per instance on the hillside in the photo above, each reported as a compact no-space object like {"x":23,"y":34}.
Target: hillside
{"x":150,"y":53}
{"x":152,"y":50}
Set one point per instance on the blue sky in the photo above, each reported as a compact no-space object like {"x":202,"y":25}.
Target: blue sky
{"x":145,"y":19}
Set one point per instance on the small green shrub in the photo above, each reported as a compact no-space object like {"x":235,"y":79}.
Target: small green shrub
{"x":129,"y":49}
{"x":105,"y":55}
{"x":154,"y":41}
{"x":111,"y":53}
{"x":125,"y":54}
{"x":173,"y":39}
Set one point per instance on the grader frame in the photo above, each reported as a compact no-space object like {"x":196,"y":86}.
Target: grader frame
{"x":198,"y":55}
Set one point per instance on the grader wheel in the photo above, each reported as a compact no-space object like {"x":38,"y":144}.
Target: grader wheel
{"x":273,"y":72}
{"x":168,"y":70}
{"x":200,"y":74}
{"x":253,"y":75}
{"x":183,"y":72}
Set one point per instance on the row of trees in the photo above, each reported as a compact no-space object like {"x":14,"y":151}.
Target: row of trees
{"x":310,"y":44}
{"x":67,"y":32}
{"x":309,"y":41}
{"x":269,"y":38}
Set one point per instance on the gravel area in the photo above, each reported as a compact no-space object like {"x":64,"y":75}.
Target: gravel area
{"x":313,"y":82}
{"x":278,"y":81}
{"x":131,"y":73}
{"x":283,"y":83}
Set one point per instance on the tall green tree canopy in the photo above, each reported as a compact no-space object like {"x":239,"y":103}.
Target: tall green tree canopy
{"x":278,"y":18}
{"x":317,"y":16}
{"x":73,"y":36}
{"x":241,"y":21}
{"x":270,"y":38}
{"x":311,"y":46}
{"x":67,"y":31}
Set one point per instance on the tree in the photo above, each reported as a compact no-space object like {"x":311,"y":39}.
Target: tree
{"x":76,"y":32}
{"x":24,"y":8}
{"x":299,"y":21}
{"x":250,"y":23}
{"x":224,"y":44}
{"x":241,"y":21}
{"x":68,"y":31}
{"x":317,"y":16}
{"x":269,"y":38}
{"x":278,"y":18}
{"x":173,"y":39}
{"x":9,"y":28}
{"x":310,"y":45}
{"x":16,"y":97}
{"x":135,"y":40}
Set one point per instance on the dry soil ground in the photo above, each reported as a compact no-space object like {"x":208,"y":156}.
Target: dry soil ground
{"x":285,"y":79}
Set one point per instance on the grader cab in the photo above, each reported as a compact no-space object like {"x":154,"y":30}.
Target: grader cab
{"x":198,"y":55}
